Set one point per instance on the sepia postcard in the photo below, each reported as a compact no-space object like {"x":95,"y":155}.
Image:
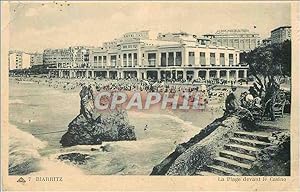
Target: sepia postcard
{"x":150,"y":95}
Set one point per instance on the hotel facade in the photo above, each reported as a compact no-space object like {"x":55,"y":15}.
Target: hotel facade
{"x":36,"y":59}
{"x":281,"y":34}
{"x":167,"y":56}
{"x":18,"y":60}
{"x":241,"y":39}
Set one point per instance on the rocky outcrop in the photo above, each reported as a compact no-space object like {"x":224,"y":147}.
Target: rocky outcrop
{"x":75,"y":158}
{"x":93,"y":127}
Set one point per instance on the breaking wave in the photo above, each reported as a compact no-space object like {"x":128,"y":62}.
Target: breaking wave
{"x":24,"y":157}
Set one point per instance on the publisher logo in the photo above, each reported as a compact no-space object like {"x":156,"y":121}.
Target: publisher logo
{"x":21,"y":180}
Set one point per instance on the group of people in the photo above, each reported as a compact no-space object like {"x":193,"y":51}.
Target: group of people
{"x":208,"y":94}
{"x":249,"y":100}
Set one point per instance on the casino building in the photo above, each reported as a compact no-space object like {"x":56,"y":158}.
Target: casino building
{"x":166,"y":56}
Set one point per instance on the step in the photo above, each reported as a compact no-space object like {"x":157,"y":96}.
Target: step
{"x":253,"y":135}
{"x":205,"y":173}
{"x":223,"y":170}
{"x":249,"y":142}
{"x":237,"y":156}
{"x":242,"y":149}
{"x":232,"y":164}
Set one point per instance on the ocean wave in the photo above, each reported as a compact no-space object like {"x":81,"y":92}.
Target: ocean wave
{"x":24,"y":156}
{"x":50,"y":166}
{"x":23,"y":152}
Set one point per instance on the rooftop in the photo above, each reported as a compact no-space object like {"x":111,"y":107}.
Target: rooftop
{"x":233,"y":31}
{"x":281,"y":27}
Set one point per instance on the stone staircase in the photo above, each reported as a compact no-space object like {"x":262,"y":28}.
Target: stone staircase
{"x":238,"y":155}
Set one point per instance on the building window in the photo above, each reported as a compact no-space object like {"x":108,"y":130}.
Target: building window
{"x":222,"y":59}
{"x":113,"y":60}
{"x":152,"y":59}
{"x":135,"y":59}
{"x":178,"y":59}
{"x":212,"y":59}
{"x":125,"y":59}
{"x":202,"y":59}
{"x":129,"y":60}
{"x":95,"y":59}
{"x":104,"y":59}
{"x":230,"y":59}
{"x":163,"y":61}
{"x":191,"y":58}
{"x":171,"y":59}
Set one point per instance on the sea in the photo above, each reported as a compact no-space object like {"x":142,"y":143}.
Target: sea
{"x":35,"y":110}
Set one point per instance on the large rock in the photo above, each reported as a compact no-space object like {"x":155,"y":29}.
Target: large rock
{"x":75,"y":158}
{"x":92,"y":127}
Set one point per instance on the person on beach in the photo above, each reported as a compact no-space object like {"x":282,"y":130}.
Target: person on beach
{"x":146,"y":127}
{"x":232,"y":101}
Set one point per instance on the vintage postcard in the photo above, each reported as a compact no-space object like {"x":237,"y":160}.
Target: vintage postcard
{"x":149,"y":96}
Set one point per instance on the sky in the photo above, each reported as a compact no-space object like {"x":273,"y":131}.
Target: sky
{"x":39,"y":25}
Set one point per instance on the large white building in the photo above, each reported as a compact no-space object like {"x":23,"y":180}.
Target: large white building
{"x":36,"y":59}
{"x":18,"y":60}
{"x":71,"y":57}
{"x":281,"y":34}
{"x":56,"y":58}
{"x":168,"y":56}
{"x":242,"y":39}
